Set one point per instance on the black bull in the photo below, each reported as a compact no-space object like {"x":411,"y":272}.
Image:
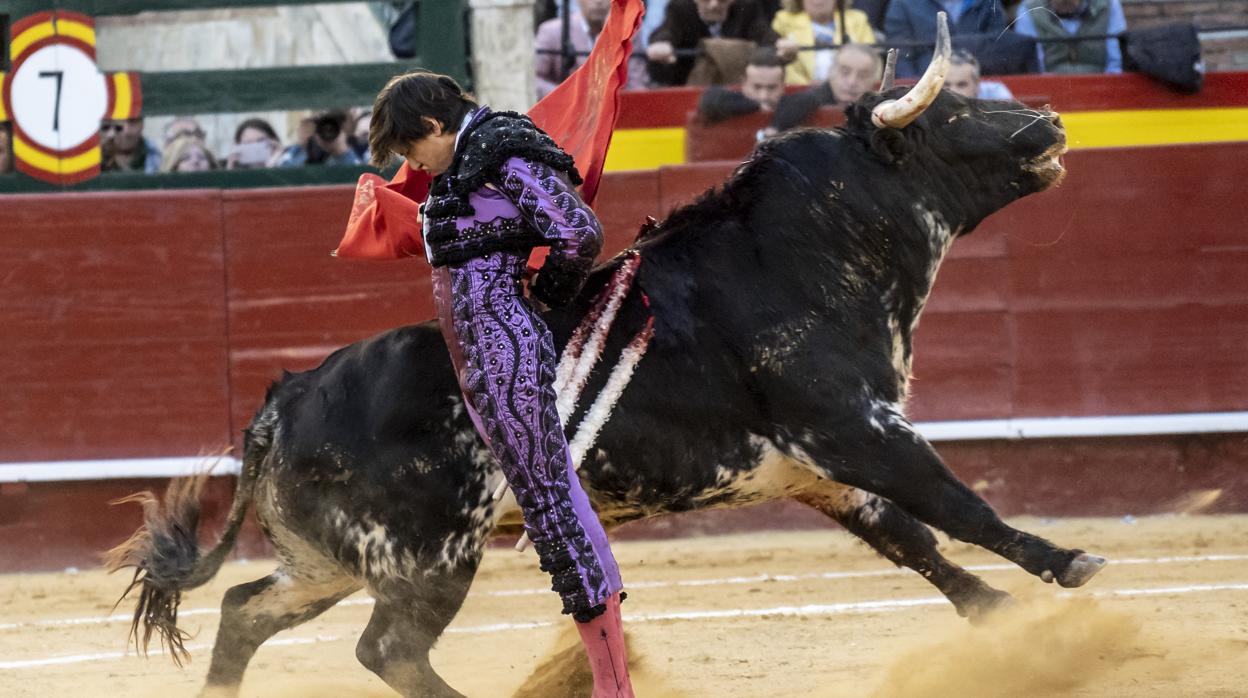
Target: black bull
{"x":784,"y":304}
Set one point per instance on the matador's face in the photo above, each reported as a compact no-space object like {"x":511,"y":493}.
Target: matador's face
{"x":434,"y":152}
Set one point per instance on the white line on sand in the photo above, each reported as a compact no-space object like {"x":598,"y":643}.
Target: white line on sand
{"x":752,"y":579}
{"x":871,"y":606}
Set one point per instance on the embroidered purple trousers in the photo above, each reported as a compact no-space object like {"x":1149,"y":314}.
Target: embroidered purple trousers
{"x":505,"y":359}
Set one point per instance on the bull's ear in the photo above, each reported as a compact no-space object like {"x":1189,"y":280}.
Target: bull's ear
{"x":889,"y":144}
{"x":858,"y":114}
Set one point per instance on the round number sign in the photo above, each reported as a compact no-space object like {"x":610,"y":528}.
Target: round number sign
{"x":56,"y":96}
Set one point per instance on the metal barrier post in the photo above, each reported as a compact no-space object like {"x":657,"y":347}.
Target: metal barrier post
{"x":502,"y":53}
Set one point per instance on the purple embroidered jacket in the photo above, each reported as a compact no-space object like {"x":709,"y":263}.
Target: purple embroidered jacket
{"x":492,"y":200}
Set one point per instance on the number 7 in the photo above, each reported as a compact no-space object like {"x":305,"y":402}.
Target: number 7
{"x":56,"y":114}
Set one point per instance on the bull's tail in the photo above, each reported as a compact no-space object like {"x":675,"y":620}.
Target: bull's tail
{"x":165,"y":552}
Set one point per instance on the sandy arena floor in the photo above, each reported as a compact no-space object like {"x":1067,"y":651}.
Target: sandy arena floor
{"x":792,"y":614}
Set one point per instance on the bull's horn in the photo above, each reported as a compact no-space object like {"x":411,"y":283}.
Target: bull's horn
{"x":900,"y":113}
{"x":890,"y":70}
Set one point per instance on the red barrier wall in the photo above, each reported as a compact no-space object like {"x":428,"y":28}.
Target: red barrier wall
{"x":149,"y":324}
{"x":114,"y":340}
{"x":290,"y":302}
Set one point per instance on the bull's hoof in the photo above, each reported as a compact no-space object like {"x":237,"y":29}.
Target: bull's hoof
{"x":979,"y":609}
{"x":1081,"y":569}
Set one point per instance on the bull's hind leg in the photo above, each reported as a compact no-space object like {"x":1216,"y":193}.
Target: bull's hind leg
{"x":253,"y":612}
{"x":905,"y":542}
{"x":886,"y":456}
{"x":409,"y":617}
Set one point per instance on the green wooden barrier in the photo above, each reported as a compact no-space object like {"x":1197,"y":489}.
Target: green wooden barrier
{"x":266,"y":89}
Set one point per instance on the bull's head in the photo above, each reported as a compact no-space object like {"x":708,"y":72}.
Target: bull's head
{"x":1000,"y":150}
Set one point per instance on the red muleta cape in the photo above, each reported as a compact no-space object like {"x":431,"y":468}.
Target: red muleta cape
{"x":580,"y":115}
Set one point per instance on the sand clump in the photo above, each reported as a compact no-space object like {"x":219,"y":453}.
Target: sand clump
{"x":565,"y":672}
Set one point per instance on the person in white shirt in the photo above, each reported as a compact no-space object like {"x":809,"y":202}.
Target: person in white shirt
{"x":964,"y":79}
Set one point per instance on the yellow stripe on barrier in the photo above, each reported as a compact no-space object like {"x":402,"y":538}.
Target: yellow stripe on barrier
{"x":77,"y":30}
{"x":645,"y":149}
{"x":48,"y":163}
{"x":1108,"y":129}
{"x":122,"y":96}
{"x":23,"y":41}
{"x":3,"y":115}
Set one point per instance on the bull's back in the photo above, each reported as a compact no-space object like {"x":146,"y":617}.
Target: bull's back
{"x":373,"y":447}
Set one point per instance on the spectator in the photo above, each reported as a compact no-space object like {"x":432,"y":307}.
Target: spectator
{"x":256,"y":145}
{"x":915,"y":20}
{"x":182,"y":126}
{"x":187,"y":153}
{"x":123,"y":147}
{"x":814,"y":23}
{"x":403,"y":19}
{"x":358,"y":140}
{"x":546,"y":9}
{"x":964,"y":79}
{"x":1048,"y":21}
{"x":6,"y":148}
{"x":656,"y":10}
{"x":761,"y":90}
{"x":687,"y":22}
{"x":584,"y":26}
{"x":1005,"y":53}
{"x":874,"y":10}
{"x":856,"y":70}
{"x":325,"y":143}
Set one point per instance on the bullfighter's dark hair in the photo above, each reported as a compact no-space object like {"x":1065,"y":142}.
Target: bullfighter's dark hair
{"x":403,"y":101}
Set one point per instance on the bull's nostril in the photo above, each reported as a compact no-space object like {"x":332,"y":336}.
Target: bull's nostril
{"x":1055,"y":119}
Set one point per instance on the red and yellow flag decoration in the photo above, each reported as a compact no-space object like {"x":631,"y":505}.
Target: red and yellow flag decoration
{"x":579,"y":115}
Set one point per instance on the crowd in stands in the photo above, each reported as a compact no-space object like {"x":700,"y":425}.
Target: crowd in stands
{"x":585,"y":25}
{"x":335,"y":137}
{"x":834,"y":47}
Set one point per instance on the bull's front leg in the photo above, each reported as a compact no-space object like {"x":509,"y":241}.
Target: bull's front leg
{"x":905,"y":542}
{"x":885,"y":455}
